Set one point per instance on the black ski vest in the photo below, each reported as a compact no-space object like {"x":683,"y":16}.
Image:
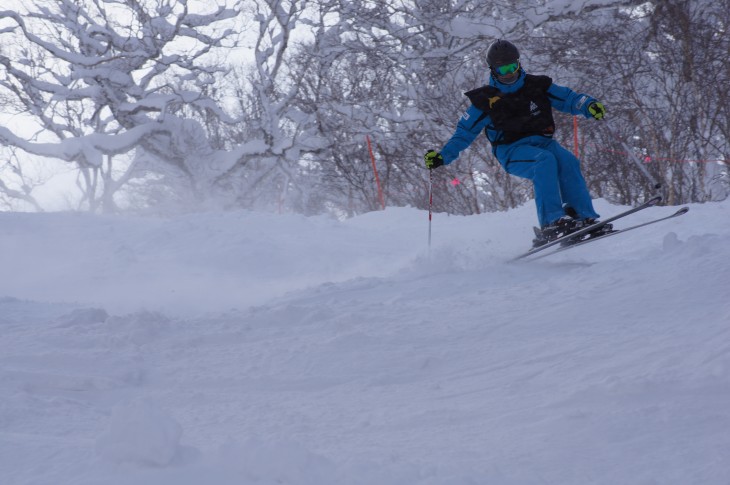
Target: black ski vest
{"x":523,"y":113}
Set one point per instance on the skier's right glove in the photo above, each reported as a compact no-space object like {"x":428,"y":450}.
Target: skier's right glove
{"x":433,"y":159}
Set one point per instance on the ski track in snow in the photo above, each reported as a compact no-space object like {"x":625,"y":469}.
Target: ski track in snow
{"x":244,"y":348}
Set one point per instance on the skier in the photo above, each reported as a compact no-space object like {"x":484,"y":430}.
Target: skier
{"x":515,"y":111}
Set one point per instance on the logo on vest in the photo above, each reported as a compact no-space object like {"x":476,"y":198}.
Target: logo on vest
{"x":534,"y":109}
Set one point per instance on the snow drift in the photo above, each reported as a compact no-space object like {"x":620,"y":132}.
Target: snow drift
{"x":244,"y":348}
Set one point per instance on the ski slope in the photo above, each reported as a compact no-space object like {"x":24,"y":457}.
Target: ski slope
{"x":246,"y":348}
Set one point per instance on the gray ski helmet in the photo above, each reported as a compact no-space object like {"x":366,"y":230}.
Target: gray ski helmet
{"x":502,"y":52}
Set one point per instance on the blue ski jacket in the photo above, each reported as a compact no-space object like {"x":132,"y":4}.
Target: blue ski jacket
{"x":513,"y":113}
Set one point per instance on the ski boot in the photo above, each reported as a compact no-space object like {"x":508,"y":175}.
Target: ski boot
{"x":581,"y":223}
{"x":601,"y":231}
{"x":562,"y":227}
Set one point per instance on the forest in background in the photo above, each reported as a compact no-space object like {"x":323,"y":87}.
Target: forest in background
{"x":154,"y":106}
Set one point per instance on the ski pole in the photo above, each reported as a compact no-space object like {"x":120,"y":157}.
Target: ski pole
{"x":430,"y":206}
{"x":649,"y":176}
{"x":635,"y":159}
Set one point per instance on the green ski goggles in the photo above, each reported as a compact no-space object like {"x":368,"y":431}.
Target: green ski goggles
{"x":507,"y":68}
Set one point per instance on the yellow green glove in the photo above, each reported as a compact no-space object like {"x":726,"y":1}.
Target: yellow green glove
{"x":597,"y":110}
{"x":433,"y":159}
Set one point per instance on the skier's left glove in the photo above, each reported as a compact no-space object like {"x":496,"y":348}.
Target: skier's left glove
{"x":433,"y":159}
{"x":597,"y":110}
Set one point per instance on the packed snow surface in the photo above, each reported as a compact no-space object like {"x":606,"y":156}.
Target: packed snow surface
{"x":244,"y":348}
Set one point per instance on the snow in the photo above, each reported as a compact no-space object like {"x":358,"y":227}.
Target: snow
{"x":248,"y":348}
{"x":142,"y":433}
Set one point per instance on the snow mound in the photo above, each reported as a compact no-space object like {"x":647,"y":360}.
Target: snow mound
{"x":141,"y":433}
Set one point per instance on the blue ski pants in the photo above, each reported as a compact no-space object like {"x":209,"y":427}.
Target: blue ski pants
{"x":555,"y":175}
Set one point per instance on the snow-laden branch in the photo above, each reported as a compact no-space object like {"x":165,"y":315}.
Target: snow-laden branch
{"x":558,"y":9}
{"x":88,"y":149}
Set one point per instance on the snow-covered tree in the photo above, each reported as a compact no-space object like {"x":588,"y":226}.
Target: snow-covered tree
{"x":103,"y":80}
{"x":397,"y":72}
{"x":146,"y":95}
{"x":266,"y":91}
{"x":654,"y":66}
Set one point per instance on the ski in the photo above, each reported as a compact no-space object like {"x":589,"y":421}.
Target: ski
{"x":680,"y":212}
{"x":649,"y":203}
